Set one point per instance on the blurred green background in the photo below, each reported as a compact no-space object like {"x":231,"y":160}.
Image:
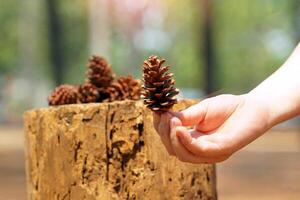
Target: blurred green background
{"x":214,"y":46}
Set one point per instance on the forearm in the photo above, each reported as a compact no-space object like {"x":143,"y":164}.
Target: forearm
{"x":280,"y":93}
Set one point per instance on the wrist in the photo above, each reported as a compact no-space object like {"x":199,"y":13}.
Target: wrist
{"x":263,"y":108}
{"x":279,"y":106}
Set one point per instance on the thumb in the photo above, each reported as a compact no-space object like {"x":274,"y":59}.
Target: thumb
{"x":192,"y":115}
{"x":175,"y":122}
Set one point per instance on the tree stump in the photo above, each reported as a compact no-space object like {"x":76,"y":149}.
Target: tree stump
{"x":106,"y":151}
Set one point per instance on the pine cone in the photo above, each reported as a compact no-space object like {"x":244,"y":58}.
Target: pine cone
{"x":88,"y":93}
{"x":159,"y":91}
{"x":110,"y":93}
{"x":121,"y":89}
{"x":100,"y":73}
{"x":129,"y":88}
{"x":64,"y":94}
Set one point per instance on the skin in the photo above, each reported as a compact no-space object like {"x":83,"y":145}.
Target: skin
{"x":226,"y":123}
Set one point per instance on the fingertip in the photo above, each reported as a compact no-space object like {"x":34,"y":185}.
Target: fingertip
{"x":180,"y":134}
{"x":165,"y":114}
{"x":181,"y":115}
{"x":183,"y":134}
{"x":192,"y":115}
{"x":175,"y":122}
{"x":168,"y":116}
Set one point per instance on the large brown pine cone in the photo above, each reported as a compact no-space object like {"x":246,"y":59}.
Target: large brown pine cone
{"x":121,"y":89}
{"x":158,"y":92}
{"x":99,"y":72}
{"x":64,"y":94}
{"x":88,"y":93}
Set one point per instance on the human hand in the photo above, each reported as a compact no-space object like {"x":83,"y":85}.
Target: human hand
{"x":221,"y":126}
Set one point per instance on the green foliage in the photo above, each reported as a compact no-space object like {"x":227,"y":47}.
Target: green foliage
{"x":9,"y":18}
{"x":248,"y":36}
{"x":251,"y":39}
{"x":184,"y":26}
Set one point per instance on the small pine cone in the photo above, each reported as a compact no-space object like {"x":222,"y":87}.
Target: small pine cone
{"x":64,"y":94}
{"x":110,"y":93}
{"x":130,"y":88}
{"x":158,"y":92}
{"x":88,"y":93}
{"x":121,"y":89}
{"x":100,"y":73}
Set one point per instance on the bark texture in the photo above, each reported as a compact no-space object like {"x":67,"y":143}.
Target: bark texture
{"x":106,"y":151}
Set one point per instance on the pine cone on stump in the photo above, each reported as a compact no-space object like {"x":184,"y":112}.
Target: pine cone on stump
{"x":121,"y":89}
{"x":109,"y":94}
{"x":64,"y":94}
{"x":88,"y":93}
{"x":129,"y":88}
{"x":99,"y":72}
{"x":158,"y":92}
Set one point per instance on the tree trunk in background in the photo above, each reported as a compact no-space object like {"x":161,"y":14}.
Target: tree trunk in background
{"x":55,"y":44}
{"x":99,"y":27}
{"x":207,"y":48}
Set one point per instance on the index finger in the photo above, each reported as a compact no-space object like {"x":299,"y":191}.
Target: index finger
{"x":192,"y":115}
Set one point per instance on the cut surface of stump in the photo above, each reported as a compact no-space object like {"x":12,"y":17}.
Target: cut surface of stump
{"x":106,"y":151}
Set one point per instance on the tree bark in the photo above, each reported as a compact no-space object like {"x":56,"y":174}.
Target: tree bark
{"x":106,"y":151}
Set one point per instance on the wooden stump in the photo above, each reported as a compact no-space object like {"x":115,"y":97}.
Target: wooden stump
{"x":106,"y":151}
